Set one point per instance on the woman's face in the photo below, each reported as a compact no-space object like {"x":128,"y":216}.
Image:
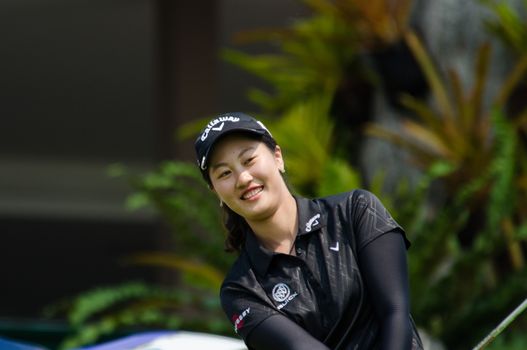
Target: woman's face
{"x":245,"y":174}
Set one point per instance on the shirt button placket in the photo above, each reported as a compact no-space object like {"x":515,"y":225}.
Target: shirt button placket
{"x":299,"y":251}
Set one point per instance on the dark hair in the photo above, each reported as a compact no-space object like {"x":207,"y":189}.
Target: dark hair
{"x":234,"y":223}
{"x":236,"y":227}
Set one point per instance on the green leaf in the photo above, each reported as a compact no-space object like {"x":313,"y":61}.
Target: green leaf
{"x":137,"y":201}
{"x":204,"y":274}
{"x":337,"y":177}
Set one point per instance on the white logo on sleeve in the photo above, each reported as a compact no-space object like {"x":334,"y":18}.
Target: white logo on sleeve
{"x":336,"y":247}
{"x":238,"y":319}
{"x":282,"y":294}
{"x":312,"y":222}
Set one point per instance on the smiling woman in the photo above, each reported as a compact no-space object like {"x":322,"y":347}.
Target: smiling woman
{"x":245,"y":174}
{"x":326,"y":273}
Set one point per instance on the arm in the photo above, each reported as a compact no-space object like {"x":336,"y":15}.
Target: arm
{"x":384,"y":268}
{"x":277,"y":332}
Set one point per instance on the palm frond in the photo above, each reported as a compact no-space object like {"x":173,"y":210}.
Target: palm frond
{"x":203,"y":273}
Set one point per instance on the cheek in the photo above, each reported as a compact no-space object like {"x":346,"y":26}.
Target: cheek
{"x":221,"y":188}
{"x":267,"y":172}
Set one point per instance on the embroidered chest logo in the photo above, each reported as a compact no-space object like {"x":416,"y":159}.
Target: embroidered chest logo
{"x":282,"y":294}
{"x":238,"y":319}
{"x":312,"y":223}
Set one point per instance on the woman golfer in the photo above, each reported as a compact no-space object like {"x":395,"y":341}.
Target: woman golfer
{"x":327,"y":273}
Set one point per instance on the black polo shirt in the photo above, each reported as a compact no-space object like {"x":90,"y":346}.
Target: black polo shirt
{"x":321,"y":288}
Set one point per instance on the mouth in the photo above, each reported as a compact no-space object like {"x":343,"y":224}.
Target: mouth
{"x":251,"y":193}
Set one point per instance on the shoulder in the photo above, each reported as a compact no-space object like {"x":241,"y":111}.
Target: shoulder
{"x":242,"y":299}
{"x":362,"y":210}
{"x":240,"y":282}
{"x":240,"y":273}
{"x":342,"y":206}
{"x":349,"y":200}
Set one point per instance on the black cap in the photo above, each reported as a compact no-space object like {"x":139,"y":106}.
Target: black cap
{"x":222,"y":125}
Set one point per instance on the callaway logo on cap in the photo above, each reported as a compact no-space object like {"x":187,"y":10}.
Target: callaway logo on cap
{"x":220,"y":126}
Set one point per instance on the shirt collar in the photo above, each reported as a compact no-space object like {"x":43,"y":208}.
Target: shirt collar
{"x":310,"y":216}
{"x":310,"y":219}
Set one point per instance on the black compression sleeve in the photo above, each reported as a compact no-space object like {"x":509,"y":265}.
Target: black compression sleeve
{"x":384,"y":269}
{"x":280,"y":333}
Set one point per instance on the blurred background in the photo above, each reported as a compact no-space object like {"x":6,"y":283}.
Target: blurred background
{"x":106,"y":227}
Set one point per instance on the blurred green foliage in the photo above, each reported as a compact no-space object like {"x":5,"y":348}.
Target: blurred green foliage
{"x":177,"y":192}
{"x":316,"y":54}
{"x":508,"y":23}
{"x":305,"y":133}
{"x":512,"y":341}
{"x":466,"y":214}
{"x":470,"y":264}
{"x":502,"y":326}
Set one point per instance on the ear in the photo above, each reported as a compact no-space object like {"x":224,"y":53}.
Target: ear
{"x":216,"y":193}
{"x":279,"y":159}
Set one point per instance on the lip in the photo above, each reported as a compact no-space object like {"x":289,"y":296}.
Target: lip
{"x":252,"y":188}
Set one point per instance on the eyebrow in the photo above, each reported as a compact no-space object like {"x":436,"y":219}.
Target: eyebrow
{"x":245,"y":150}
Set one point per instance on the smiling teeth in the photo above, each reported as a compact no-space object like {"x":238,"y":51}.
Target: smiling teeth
{"x":252,"y":193}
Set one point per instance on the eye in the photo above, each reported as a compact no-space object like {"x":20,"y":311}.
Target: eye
{"x":222,"y":174}
{"x":249,"y":160}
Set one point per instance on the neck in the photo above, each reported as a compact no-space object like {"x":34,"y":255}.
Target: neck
{"x":278,"y":232}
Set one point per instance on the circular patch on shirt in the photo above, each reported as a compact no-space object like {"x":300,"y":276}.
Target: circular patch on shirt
{"x":281,"y":292}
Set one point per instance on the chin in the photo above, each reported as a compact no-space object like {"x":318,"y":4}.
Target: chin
{"x":260,"y":211}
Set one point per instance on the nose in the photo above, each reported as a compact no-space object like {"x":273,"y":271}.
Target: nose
{"x":244,"y":178}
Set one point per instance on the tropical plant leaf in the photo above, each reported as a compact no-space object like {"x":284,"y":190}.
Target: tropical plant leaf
{"x":480,"y":189}
{"x":305,"y":134}
{"x":204,"y":274}
{"x":508,"y":24}
{"x":512,"y":81}
{"x":434,"y":80}
{"x":101,"y":298}
{"x":337,"y":177}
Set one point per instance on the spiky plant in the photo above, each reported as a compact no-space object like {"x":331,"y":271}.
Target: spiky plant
{"x":480,"y":217}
